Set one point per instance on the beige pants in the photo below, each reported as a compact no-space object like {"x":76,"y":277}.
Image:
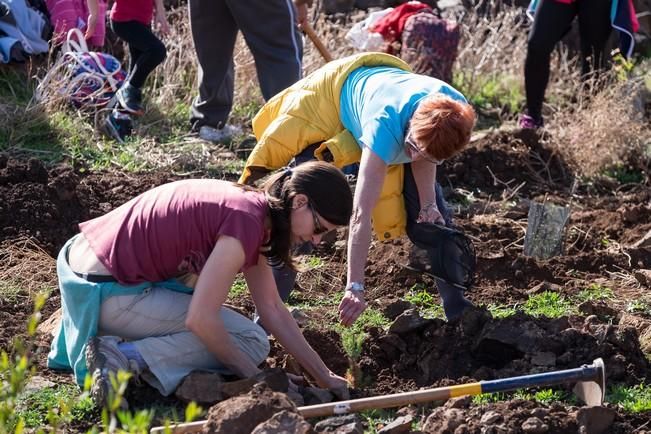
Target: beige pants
{"x":155,"y":322}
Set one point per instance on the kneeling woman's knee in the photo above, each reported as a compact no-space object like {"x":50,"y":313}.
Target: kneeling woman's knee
{"x":255,"y":343}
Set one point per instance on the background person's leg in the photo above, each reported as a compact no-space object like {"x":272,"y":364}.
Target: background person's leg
{"x":147,"y":51}
{"x":551,"y":22}
{"x":594,"y":30}
{"x":155,"y":322}
{"x":274,"y":40}
{"x":214,"y":32}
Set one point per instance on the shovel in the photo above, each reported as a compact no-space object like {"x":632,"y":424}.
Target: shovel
{"x":590,"y":388}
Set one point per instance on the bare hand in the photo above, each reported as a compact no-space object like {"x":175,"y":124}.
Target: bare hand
{"x":91,"y":26}
{"x":162,"y":24}
{"x":301,"y":14}
{"x":430,"y":214}
{"x":352,"y":305}
{"x":337,"y":385}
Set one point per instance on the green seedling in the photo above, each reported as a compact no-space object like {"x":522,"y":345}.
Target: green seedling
{"x":635,"y":399}
{"x":548,"y":304}
{"x":426,"y":303}
{"x":595,"y":292}
{"x":500,"y":311}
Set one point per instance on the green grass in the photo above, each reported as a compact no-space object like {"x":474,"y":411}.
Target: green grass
{"x":502,"y":91}
{"x":625,"y":175}
{"x":548,"y":304}
{"x":639,"y":306}
{"x":500,"y":311}
{"x":353,"y":337}
{"x":427,"y":303}
{"x":35,"y":407}
{"x":312,"y":261}
{"x":544,"y":396}
{"x":635,"y":399}
{"x":595,"y":292}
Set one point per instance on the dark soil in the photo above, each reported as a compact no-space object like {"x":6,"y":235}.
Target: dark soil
{"x":494,"y":181}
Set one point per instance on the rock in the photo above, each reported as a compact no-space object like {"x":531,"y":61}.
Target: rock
{"x":314,"y":395}
{"x":241,"y":414}
{"x":275,"y":378}
{"x":461,"y":402}
{"x":643,"y":276}
{"x":37,"y":383}
{"x":490,"y":418}
{"x":350,"y":423}
{"x":50,"y":325}
{"x":444,"y":420}
{"x":595,"y":420}
{"x":204,"y":388}
{"x":393,"y":310}
{"x":542,"y":287}
{"x":284,"y":422}
{"x":399,"y":426}
{"x":300,"y":317}
{"x":409,"y":321}
{"x":534,"y":425}
{"x":599,"y":308}
{"x":544,"y":359}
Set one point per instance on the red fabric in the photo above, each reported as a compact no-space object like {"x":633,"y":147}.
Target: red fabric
{"x":391,"y":25}
{"x":172,"y":229}
{"x":69,"y":14}
{"x":634,"y":22}
{"x":133,"y":10}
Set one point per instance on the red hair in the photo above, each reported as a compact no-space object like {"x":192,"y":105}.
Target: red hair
{"x":442,"y":126}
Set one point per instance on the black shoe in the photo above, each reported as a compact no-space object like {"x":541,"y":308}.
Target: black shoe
{"x":130,"y":99}
{"x":118,"y":125}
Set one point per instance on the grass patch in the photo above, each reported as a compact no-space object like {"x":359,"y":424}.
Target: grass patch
{"x":376,"y":419}
{"x":548,"y":304}
{"x":635,"y":399}
{"x":489,"y":91}
{"x":311,"y":261}
{"x":544,"y":396}
{"x":638,"y":306}
{"x":595,"y":292}
{"x":427,"y":304}
{"x":36,"y":408}
{"x":500,"y":311}
{"x":625,"y":175}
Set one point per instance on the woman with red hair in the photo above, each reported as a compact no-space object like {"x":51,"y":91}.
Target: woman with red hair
{"x":399,"y":126}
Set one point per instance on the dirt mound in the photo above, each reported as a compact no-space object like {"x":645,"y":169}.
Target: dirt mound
{"x":241,"y":414}
{"x":480,"y":347}
{"x":506,"y":160}
{"x":47,"y":205}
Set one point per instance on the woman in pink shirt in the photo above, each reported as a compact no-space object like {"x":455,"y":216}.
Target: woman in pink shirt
{"x":126,"y":301}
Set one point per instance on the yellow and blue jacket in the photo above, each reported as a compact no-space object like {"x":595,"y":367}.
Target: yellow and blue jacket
{"x":308,"y":113}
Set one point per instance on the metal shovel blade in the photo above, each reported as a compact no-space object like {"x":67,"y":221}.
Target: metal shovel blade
{"x":593,"y":392}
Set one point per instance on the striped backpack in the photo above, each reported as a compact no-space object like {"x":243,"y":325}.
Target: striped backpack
{"x":430,"y":44}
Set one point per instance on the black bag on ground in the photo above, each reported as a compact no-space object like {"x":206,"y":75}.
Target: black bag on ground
{"x":446,"y":253}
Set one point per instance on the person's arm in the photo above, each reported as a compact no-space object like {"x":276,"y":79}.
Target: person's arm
{"x":210,"y":293}
{"x":161,"y":17}
{"x":279,"y":322}
{"x":301,"y":11}
{"x":372,"y":171}
{"x":91,"y":24}
{"x":425,"y":177}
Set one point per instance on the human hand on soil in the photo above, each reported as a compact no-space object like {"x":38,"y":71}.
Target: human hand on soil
{"x":352,"y":305}
{"x":337,"y":385}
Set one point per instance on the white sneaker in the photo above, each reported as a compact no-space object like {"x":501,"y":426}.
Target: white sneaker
{"x":219,"y":135}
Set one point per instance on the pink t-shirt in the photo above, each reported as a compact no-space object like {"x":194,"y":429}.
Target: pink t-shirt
{"x":173,"y":228}
{"x":133,"y":10}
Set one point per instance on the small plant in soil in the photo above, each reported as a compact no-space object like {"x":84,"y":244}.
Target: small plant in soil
{"x":426,"y":303}
{"x":635,"y":399}
{"x":501,"y":311}
{"x":35,"y":408}
{"x":548,"y":304}
{"x":639,"y":306}
{"x":595,"y":292}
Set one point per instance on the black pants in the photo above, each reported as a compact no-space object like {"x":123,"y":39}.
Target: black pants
{"x":550,"y":24}
{"x":146,"y":50}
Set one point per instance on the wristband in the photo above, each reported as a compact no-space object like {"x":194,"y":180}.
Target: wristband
{"x":355,"y":286}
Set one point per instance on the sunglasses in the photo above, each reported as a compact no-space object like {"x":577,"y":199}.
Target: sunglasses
{"x":413,"y":150}
{"x":319,"y":229}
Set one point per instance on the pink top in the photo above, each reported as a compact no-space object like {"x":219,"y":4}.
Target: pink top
{"x":133,"y":10}
{"x":173,"y":228}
